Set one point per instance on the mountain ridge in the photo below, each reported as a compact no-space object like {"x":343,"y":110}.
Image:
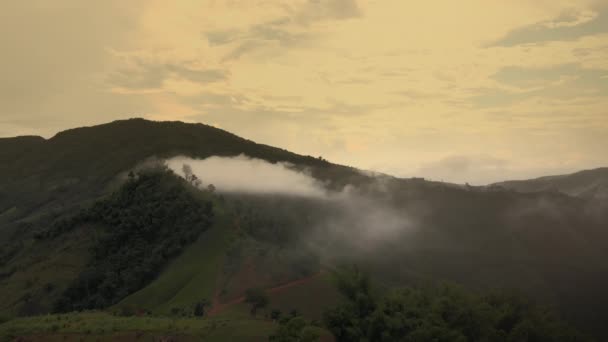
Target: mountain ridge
{"x":592,"y":183}
{"x":542,"y":183}
{"x":79,"y":164}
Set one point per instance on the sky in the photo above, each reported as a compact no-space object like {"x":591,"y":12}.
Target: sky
{"x":464,"y":91}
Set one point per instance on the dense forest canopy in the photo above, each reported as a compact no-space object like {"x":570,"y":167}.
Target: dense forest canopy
{"x":143,"y":225}
{"x":443,"y":313}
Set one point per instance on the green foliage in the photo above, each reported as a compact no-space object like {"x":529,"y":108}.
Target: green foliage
{"x":199,"y":308}
{"x":257,"y":298}
{"x":100,"y":326}
{"x":445,"y":313}
{"x":148,"y":222}
{"x":191,"y":275}
{"x":275,"y":314}
{"x":4,"y":318}
{"x":295,"y":329}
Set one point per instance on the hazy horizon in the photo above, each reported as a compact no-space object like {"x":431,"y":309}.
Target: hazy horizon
{"x":474,"y":91}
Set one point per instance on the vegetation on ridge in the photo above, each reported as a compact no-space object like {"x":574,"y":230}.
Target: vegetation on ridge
{"x":145,"y":224}
{"x":445,"y":313}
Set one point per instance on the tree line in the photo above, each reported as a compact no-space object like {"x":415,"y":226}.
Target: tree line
{"x":147,"y":222}
{"x":439,"y":313}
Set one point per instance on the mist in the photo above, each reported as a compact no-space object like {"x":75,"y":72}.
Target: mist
{"x":250,"y":175}
{"x":349,"y":221}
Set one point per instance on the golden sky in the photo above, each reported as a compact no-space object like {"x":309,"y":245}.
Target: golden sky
{"x":466,"y":91}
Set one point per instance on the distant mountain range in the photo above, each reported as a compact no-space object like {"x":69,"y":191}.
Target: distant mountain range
{"x":585,"y":184}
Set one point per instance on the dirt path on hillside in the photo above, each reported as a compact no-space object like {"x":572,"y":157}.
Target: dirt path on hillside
{"x":218,"y":307}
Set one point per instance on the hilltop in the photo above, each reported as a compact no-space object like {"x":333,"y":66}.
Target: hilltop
{"x":50,"y":177}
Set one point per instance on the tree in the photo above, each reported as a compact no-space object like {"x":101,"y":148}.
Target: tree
{"x":257,"y":298}
{"x":294,"y":313}
{"x":187,"y":170}
{"x":199,"y":308}
{"x":275,"y":314}
{"x":195,"y":181}
{"x":295,"y":329}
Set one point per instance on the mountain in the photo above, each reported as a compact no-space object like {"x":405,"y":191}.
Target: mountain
{"x":587,"y":184}
{"x":92,"y":219}
{"x":49,"y":177}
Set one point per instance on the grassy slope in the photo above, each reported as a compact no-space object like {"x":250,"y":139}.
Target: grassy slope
{"x":97,"y":326}
{"x":310,"y":298}
{"x":195,"y":275}
{"x":43,"y":271}
{"x":192,"y":276}
{"x":189,"y":278}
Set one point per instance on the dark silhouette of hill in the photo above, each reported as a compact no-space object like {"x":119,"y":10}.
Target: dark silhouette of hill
{"x":100,"y":152}
{"x":587,"y":184}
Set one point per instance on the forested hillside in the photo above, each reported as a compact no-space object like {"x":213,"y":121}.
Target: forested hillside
{"x":92,"y":219}
{"x":148,"y":222}
{"x":49,"y":177}
{"x":441,"y":313}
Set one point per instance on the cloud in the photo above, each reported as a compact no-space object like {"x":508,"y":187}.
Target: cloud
{"x":250,"y":175}
{"x":244,"y":48}
{"x":242,"y":108}
{"x":560,"y":82}
{"x":257,"y":36}
{"x":530,"y":77}
{"x":413,"y":94}
{"x":571,"y":25}
{"x":477,"y":169}
{"x":348,"y":219}
{"x":290,"y":30}
{"x":222,"y":37}
{"x":137,"y":73}
{"x":278,"y":40}
{"x":318,"y":10}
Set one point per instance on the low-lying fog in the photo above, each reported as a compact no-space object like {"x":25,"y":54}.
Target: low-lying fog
{"x":355,"y":217}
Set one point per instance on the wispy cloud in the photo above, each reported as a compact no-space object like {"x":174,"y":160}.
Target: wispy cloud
{"x":290,"y":30}
{"x":140,"y":74}
{"x":562,"y":82}
{"x":571,"y":25}
{"x":465,"y":168}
